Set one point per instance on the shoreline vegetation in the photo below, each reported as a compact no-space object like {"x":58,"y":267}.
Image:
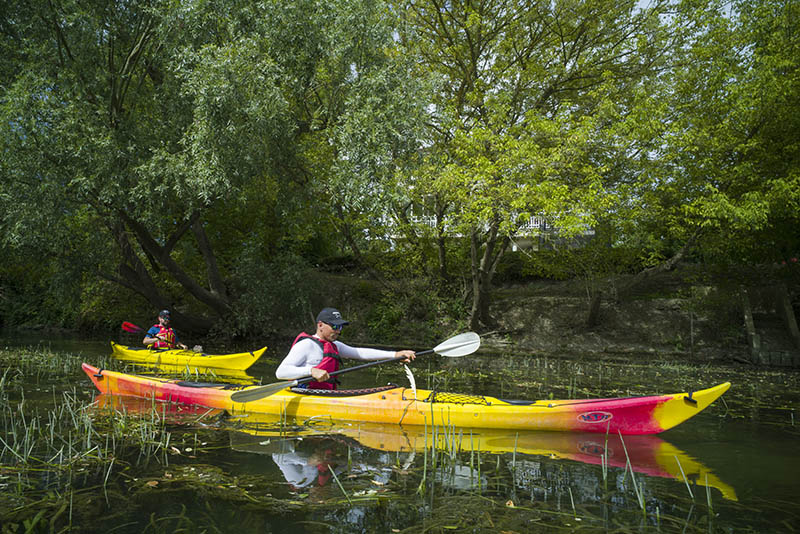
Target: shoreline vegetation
{"x":445,"y":171}
{"x":681,"y":315}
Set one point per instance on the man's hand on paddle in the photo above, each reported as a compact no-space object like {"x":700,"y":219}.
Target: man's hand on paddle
{"x":407,"y":354}
{"x":320,"y":375}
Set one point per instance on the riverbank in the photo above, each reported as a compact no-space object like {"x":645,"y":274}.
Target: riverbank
{"x":671,"y":316}
{"x":684,"y":314}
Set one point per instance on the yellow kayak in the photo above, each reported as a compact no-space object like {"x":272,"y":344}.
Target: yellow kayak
{"x":186,"y":358}
{"x":402,"y":406}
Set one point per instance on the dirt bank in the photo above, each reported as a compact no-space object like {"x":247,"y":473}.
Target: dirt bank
{"x":669,"y":317}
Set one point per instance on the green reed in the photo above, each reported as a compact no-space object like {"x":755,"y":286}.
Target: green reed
{"x":74,"y":435}
{"x":421,"y":487}
{"x":637,"y":489}
{"x":346,"y":496}
{"x":691,"y":495}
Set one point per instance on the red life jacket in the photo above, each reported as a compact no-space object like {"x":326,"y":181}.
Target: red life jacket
{"x":330,"y":360}
{"x":169,"y":338}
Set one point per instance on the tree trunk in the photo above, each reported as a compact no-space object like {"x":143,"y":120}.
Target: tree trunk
{"x":133,"y":275}
{"x":483,"y":269}
{"x":441,"y":243}
{"x":215,"y":281}
{"x":353,"y":244}
{"x":667,"y":265}
{"x":593,"y":319}
{"x":218,"y":303}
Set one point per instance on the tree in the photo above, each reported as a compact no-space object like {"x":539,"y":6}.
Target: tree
{"x":138,"y":133}
{"x":127,"y":126}
{"x":521,"y":110}
{"x":724,"y":180}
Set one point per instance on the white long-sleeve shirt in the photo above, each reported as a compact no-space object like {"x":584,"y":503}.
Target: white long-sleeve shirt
{"x":307,"y":353}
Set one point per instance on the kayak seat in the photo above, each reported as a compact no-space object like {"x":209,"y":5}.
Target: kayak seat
{"x":343,"y":392}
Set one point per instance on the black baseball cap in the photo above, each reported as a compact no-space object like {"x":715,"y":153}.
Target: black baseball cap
{"x":164,"y":313}
{"x":331,"y":316}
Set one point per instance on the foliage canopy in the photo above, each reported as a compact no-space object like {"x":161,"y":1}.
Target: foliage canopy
{"x":206,"y":156}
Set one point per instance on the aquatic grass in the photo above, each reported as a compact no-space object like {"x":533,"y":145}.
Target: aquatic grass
{"x":604,"y":458}
{"x":105,"y":480}
{"x":346,"y":496}
{"x":41,"y":362}
{"x":5,"y":380}
{"x":67,"y":436}
{"x":421,"y":487}
{"x":691,"y":495}
{"x":637,"y":489}
{"x":572,"y":501}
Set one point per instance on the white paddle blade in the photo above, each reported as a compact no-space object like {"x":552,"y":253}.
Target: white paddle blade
{"x":459,"y":345}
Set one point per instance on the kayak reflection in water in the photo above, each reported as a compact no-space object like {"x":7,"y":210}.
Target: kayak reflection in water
{"x":320,"y":354}
{"x":161,"y":335}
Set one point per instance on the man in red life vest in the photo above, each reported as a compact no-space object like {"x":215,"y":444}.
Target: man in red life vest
{"x":161,"y":335}
{"x":319,"y":354}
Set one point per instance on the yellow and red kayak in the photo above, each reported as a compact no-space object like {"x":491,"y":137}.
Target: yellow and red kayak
{"x":183,"y":358}
{"x":399,"y":405}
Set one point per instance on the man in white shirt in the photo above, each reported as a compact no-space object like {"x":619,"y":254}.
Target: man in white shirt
{"x":320,"y":354}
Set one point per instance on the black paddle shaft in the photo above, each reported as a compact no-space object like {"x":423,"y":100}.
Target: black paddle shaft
{"x":363,"y":365}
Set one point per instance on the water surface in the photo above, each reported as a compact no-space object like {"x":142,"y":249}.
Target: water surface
{"x":163,"y":468}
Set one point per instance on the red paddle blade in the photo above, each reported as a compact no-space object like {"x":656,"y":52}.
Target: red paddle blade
{"x":130,"y":327}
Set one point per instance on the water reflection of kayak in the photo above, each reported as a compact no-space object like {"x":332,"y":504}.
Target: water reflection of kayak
{"x":648,"y":455}
{"x":182,"y":358}
{"x":174,"y":412}
{"x":269,"y":435}
{"x":398,"y":405}
{"x":195,"y":374}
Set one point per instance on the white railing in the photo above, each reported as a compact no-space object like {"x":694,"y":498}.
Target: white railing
{"x":534,"y":223}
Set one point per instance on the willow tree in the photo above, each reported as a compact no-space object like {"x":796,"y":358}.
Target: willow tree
{"x":364,"y":111}
{"x":156,"y":144}
{"x":125,"y":124}
{"x":520,"y":117}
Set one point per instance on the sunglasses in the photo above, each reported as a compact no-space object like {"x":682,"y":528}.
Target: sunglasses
{"x":337,"y":327}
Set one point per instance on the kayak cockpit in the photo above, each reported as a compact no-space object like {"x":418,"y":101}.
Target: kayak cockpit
{"x":343,"y":392}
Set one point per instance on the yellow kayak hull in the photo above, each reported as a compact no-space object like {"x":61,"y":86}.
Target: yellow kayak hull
{"x":402,"y":406}
{"x":180,"y":358}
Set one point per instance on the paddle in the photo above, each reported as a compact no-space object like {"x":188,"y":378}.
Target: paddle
{"x":132,"y":328}
{"x":455,"y":347}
